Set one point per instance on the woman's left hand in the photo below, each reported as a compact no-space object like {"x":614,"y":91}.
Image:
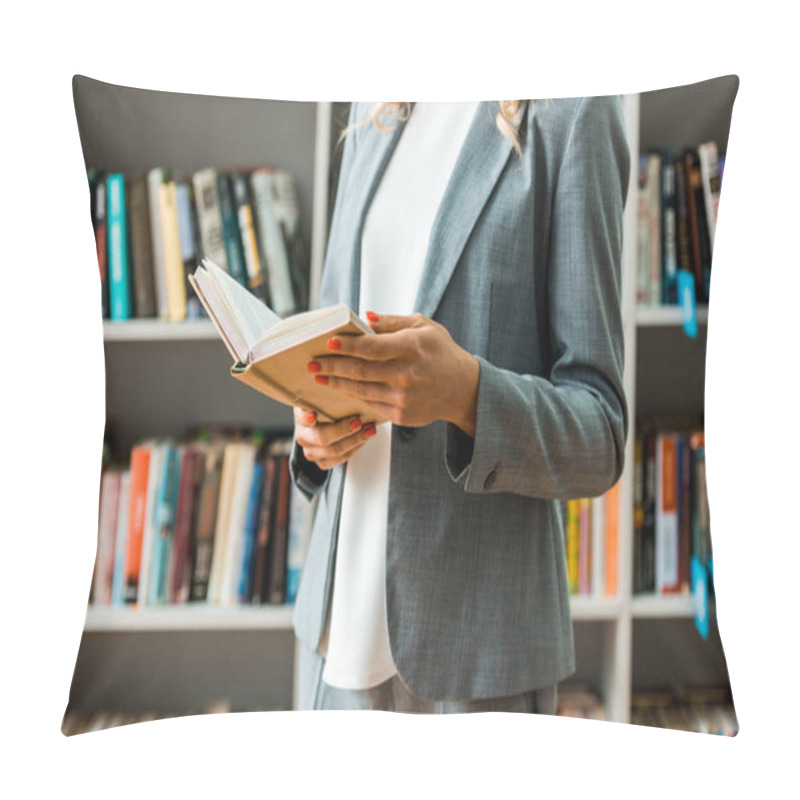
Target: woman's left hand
{"x":412,"y":373}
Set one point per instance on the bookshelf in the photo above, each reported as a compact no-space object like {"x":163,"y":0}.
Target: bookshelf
{"x":246,"y":656}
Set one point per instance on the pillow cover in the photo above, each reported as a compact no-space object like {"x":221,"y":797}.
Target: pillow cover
{"x":202,"y":536}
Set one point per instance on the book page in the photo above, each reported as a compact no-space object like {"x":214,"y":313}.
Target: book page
{"x":251,"y":317}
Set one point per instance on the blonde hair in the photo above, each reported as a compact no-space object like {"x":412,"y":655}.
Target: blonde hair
{"x":507,"y":119}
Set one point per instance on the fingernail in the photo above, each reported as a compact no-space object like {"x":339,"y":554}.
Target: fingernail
{"x":369,"y":430}
{"x":372,"y":316}
{"x":355,"y":424}
{"x":323,"y":379}
{"x":311,"y":418}
{"x":314,"y":366}
{"x":334,"y":344}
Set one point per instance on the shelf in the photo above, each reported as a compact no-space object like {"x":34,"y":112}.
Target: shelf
{"x":158,"y":330}
{"x":588,"y":608}
{"x":666,"y":316}
{"x":656,"y":607}
{"x":192,"y":618}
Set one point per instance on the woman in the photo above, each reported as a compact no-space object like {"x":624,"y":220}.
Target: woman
{"x":483,"y":243}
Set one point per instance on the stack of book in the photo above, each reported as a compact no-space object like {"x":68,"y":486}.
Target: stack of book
{"x":671,"y":515}
{"x":699,"y":710}
{"x":214,"y":519}
{"x":577,"y":700}
{"x":153,"y":229}
{"x":678,"y":199}
{"x":592,"y":544}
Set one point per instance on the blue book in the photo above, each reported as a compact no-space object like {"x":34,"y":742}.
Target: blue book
{"x":230,"y":229}
{"x":164,"y":514}
{"x":119,"y":285}
{"x":251,"y":531}
{"x":299,"y":509}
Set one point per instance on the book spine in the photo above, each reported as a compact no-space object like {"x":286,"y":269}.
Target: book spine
{"x":244,"y":592}
{"x":598,"y":579}
{"x":654,"y":207}
{"x":277,"y":577}
{"x":684,"y":513}
{"x":223,"y":521}
{"x":140,"y":467}
{"x":585,"y":522}
{"x":121,"y":540}
{"x":649,"y":522}
{"x":165,"y":524}
{"x":707,"y":156}
{"x":683,"y":252}
{"x":638,"y":512}
{"x":154,"y":480}
{"x":244,"y":214}
{"x":155,"y":178}
{"x":119,"y":271}
{"x":573,"y":544}
{"x":97,"y":186}
{"x":666,"y":514}
{"x":287,"y":211}
{"x":107,"y":528}
{"x":187,"y":238}
{"x":669,"y":246}
{"x":260,"y":567}
{"x":203,"y":539}
{"x":141,"y":248}
{"x":643,"y":234}
{"x":176,"y":289}
{"x":271,"y":241}
{"x":179,"y":572}
{"x":230,"y":229}
{"x":612,"y":541}
{"x":209,"y":218}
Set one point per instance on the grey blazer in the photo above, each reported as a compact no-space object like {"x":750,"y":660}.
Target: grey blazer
{"x":523,"y":269}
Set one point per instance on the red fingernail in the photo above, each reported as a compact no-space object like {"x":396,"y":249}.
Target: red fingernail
{"x":334,"y":344}
{"x":311,"y":418}
{"x":314,"y":366}
{"x":323,"y":379}
{"x":355,"y":424}
{"x":372,"y":316}
{"x":369,"y":431}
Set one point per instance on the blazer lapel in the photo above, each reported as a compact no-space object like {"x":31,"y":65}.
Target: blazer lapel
{"x":477,"y":170}
{"x":376,"y":149}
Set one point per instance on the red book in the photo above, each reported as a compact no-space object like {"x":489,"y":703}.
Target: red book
{"x":140,"y":468}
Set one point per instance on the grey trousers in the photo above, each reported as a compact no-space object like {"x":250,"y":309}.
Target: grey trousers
{"x":392,"y":695}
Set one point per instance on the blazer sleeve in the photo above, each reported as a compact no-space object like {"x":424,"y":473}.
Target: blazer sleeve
{"x":307,"y":476}
{"x":563,"y":435}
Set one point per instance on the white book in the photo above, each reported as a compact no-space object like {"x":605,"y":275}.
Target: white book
{"x":227,"y":484}
{"x":599,"y":545}
{"x":234,"y":550}
{"x":272,"y":242}
{"x":155,"y":177}
{"x":121,"y":540}
{"x":107,"y":529}
{"x":666,"y":522}
{"x":209,"y":219}
{"x":709,"y":173}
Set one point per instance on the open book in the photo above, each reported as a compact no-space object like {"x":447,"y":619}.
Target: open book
{"x":271,"y":354}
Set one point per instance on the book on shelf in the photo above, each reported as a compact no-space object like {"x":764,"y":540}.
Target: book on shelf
{"x":271,"y":354}
{"x":152,"y":228}
{"x":677,"y":207}
{"x":670,"y":504}
{"x":692,"y":709}
{"x":592,"y":544}
{"x":210,"y":521}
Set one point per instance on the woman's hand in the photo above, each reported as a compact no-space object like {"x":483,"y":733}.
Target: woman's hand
{"x":412,"y":373}
{"x":328,"y":444}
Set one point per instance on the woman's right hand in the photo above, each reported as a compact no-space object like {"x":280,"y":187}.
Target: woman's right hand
{"x":329,"y":444}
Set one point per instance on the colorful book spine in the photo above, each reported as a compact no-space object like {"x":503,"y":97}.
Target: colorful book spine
{"x":120,"y":294}
{"x":164,"y":524}
{"x":244,"y":590}
{"x":209,"y":217}
{"x":666,"y":514}
{"x":155,"y":179}
{"x":230,"y":229}
{"x":107,"y":525}
{"x":584,"y":546}
{"x":612,"y":541}
{"x":140,"y":467}
{"x":299,"y":533}
{"x":173,"y":261}
{"x":180,"y":562}
{"x":121,"y":540}
{"x":573,"y":544}
{"x":187,"y":237}
{"x":141,"y":248}
{"x":669,"y":237}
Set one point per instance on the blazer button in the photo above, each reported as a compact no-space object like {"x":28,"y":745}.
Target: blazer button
{"x":406,"y":434}
{"x":490,"y":479}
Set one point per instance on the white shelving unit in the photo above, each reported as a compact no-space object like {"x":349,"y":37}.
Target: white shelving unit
{"x":607,"y":630}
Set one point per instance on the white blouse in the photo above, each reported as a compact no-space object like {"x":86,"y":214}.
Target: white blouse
{"x":355,"y":641}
